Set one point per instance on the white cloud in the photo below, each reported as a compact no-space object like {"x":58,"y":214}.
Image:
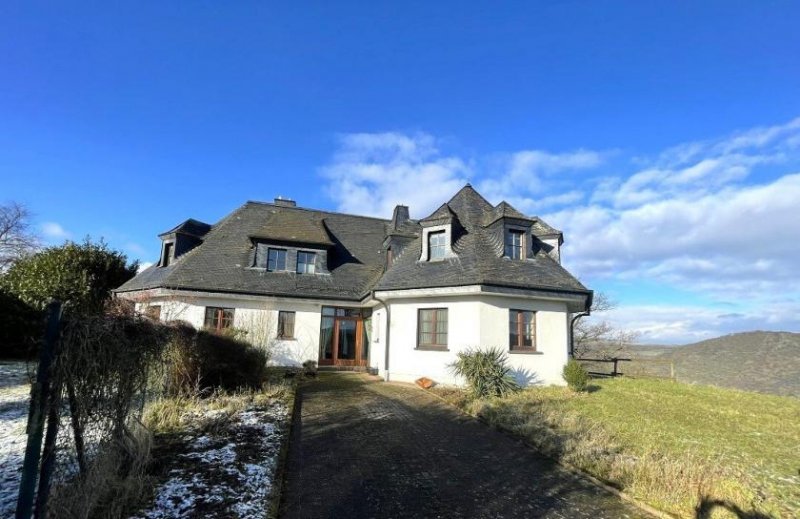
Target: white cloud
{"x":371,"y":173}
{"x":54,"y":231}
{"x":144,"y":266}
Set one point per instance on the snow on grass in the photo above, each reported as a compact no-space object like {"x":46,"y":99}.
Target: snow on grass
{"x":225,"y":473}
{"x":14,"y":396}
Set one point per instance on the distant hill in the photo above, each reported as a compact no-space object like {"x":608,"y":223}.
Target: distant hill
{"x":767,"y":362}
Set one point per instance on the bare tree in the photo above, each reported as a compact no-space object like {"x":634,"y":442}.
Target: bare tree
{"x":596,"y":337}
{"x":16,"y":237}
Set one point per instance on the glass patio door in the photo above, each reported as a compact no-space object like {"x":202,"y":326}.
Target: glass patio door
{"x":341,"y":337}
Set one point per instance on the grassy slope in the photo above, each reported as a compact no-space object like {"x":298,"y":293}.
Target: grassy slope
{"x":666,"y":443}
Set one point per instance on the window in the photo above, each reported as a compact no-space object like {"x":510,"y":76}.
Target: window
{"x":305,"y":262}
{"x":167,"y":256}
{"x":153,"y":312}
{"x":436,"y":245}
{"x":522,"y":330}
{"x":285,"y":325}
{"x":514,"y":244}
{"x":432,"y":328}
{"x":276,"y":259}
{"x":389,"y":257}
{"x":218,"y":318}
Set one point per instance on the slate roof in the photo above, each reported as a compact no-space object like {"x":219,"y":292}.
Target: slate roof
{"x":293,"y":226}
{"x":222,"y":262}
{"x":356,"y":255}
{"x":476,"y":261}
{"x":190,"y":227}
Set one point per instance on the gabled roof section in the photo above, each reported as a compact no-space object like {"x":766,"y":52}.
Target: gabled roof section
{"x":442,"y":213}
{"x":470,"y":207}
{"x":504,"y":210}
{"x":541,"y":228}
{"x":293,"y":226}
{"x":190,"y":227}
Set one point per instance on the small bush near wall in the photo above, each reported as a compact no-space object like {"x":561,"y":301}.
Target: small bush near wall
{"x":197,"y":361}
{"x":229,"y":363}
{"x":486,"y":372}
{"x":575,"y":375}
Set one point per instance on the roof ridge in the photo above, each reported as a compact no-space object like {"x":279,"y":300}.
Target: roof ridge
{"x":323,"y":211}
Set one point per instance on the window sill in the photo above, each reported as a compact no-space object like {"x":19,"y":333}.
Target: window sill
{"x":525,"y":352}
{"x":431,"y":348}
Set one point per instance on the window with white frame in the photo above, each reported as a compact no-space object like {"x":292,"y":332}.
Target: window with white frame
{"x":276,"y":259}
{"x":306,"y":262}
{"x":437,"y":245}
{"x":515,"y":244}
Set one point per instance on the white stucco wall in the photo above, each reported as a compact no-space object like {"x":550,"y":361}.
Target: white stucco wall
{"x":259,"y":317}
{"x":478,"y":321}
{"x":475,"y":319}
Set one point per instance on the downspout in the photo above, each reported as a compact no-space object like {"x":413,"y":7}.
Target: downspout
{"x":572,"y":332}
{"x":387,"y":335}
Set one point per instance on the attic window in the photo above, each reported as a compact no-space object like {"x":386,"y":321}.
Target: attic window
{"x":166,"y":256}
{"x":436,"y":245}
{"x":306,"y":262}
{"x":514,"y":243}
{"x":276,"y":259}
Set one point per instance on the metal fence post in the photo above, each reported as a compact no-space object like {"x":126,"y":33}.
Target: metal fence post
{"x":40,"y":395}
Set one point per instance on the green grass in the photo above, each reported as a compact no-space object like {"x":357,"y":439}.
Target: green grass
{"x":668,"y":444}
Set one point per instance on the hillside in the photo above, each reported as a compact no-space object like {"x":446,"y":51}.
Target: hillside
{"x":767,"y":362}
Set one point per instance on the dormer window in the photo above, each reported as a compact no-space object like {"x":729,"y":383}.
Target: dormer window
{"x":166,"y":256}
{"x":515,"y":240}
{"x":306,"y":262}
{"x":276,"y":259}
{"x":437,"y":245}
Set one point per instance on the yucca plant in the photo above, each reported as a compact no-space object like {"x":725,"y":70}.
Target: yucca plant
{"x":486,"y":372}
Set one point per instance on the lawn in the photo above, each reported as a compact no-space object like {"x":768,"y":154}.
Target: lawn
{"x":672,"y":445}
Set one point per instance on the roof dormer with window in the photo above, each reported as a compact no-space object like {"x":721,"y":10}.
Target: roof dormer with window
{"x":178,"y":241}
{"x":291,"y":241}
{"x":437,"y":235}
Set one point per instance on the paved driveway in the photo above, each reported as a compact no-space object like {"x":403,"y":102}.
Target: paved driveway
{"x":364,"y":448}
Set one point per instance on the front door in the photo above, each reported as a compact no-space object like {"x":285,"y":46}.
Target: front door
{"x":341,"y":338}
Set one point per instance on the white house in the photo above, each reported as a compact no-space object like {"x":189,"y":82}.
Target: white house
{"x":399,"y":297}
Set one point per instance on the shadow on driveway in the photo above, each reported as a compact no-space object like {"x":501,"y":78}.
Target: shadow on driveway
{"x":364,"y":448}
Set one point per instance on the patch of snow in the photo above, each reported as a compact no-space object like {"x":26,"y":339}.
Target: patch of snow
{"x":236,"y":478}
{"x":14,"y":396}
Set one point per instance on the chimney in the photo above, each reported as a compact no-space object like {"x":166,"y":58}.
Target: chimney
{"x":285,"y":202}
{"x":400,"y":215}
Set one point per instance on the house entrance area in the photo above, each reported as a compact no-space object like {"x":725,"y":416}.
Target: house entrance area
{"x":344,"y":336}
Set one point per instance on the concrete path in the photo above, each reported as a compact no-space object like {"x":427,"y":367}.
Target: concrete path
{"x":364,"y":448}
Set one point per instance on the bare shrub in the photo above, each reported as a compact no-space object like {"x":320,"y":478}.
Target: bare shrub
{"x":102,"y":374}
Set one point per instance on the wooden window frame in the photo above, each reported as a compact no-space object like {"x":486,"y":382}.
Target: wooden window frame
{"x":220,"y":318}
{"x":278,"y":250}
{"x":511,"y":247}
{"x":313,"y":263}
{"x":519,"y":322}
{"x":443,"y":246}
{"x":282,"y":324}
{"x":432,"y":346}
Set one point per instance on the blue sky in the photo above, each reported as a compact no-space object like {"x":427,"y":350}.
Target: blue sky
{"x":662,"y":137}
